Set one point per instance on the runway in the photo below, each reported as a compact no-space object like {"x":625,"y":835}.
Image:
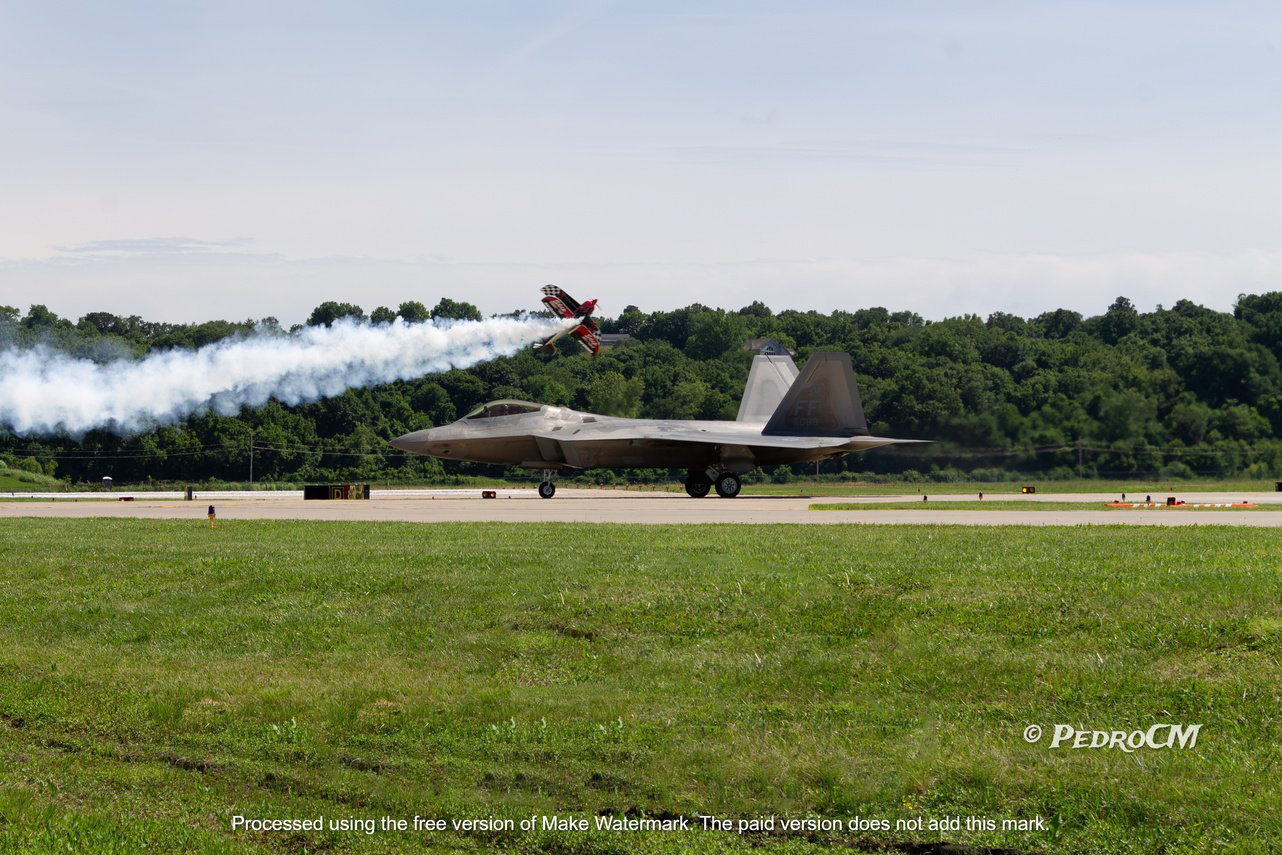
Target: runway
{"x":624,"y":506}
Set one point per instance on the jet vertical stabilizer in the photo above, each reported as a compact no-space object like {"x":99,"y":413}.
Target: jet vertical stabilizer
{"x":768,"y":383}
{"x":823,"y":401}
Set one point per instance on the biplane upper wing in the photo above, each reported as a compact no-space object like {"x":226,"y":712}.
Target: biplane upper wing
{"x":561,"y":303}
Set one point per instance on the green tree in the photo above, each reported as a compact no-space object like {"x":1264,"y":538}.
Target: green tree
{"x":714,"y":333}
{"x":39,"y":317}
{"x":1058,"y":324}
{"x":456,"y":311}
{"x":612,"y":395}
{"x":1124,"y":414}
{"x":756,"y":309}
{"x":542,"y":389}
{"x":326,"y":313}
{"x":413,"y":312}
{"x":629,"y":322}
{"x":1119,"y":321}
{"x":685,"y":401}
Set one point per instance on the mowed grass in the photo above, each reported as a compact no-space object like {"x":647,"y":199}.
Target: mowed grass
{"x":17,"y":481}
{"x":158,"y":678}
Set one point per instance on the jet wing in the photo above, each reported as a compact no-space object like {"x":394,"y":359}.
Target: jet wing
{"x":637,"y":430}
{"x":657,"y":444}
{"x":709,"y":437}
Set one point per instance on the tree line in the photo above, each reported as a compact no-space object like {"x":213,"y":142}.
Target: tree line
{"x":1175,"y":392}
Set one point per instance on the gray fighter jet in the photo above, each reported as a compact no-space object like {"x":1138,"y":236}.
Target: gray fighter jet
{"x":783,"y":418}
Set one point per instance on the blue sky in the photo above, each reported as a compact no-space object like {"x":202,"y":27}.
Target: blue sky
{"x":187,"y":161}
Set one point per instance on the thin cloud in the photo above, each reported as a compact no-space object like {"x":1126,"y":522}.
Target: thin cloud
{"x":154,"y":246}
{"x":879,"y":152}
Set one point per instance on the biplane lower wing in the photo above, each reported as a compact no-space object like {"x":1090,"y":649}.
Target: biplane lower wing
{"x":589,"y":336}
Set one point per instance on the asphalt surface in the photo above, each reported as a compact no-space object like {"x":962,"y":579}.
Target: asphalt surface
{"x":630,"y":506}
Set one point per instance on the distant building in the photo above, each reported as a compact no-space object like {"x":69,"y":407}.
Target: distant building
{"x":768,"y":346}
{"x":615,"y":339}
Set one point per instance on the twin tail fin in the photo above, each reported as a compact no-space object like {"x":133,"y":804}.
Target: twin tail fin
{"x":822,"y":401}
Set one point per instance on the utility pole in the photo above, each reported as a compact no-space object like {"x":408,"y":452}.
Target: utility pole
{"x":251,"y":460}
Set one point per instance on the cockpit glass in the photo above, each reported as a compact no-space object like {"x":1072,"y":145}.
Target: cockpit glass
{"x":502,"y":408}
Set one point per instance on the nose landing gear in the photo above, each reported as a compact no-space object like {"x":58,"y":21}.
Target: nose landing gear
{"x":547,"y":489}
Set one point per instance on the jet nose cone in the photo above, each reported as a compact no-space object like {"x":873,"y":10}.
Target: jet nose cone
{"x":410,"y":441}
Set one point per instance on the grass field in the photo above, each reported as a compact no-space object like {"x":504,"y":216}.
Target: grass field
{"x":159,"y":679}
{"x":17,"y":481}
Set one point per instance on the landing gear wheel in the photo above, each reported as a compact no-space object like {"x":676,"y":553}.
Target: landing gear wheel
{"x":697,"y":486}
{"x":547,"y":490}
{"x":728,"y":485}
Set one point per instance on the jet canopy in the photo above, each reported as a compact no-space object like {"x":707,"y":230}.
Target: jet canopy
{"x":503,"y":408}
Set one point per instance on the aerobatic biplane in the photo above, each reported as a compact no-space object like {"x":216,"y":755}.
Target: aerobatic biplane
{"x":563,"y":305}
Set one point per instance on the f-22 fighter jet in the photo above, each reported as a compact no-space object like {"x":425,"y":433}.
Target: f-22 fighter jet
{"x":783,"y":418}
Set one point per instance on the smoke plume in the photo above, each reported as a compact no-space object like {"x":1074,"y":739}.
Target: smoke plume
{"x":43,"y":392}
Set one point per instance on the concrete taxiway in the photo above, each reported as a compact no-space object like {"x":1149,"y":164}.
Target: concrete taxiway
{"x":623,"y":506}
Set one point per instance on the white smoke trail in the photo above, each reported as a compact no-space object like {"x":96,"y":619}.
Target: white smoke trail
{"x":44,"y":392}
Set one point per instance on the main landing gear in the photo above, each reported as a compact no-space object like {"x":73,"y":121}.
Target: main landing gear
{"x":547,"y":489}
{"x":728,"y":485}
{"x":698,"y":484}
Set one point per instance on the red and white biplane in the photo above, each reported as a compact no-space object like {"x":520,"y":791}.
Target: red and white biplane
{"x":563,"y":305}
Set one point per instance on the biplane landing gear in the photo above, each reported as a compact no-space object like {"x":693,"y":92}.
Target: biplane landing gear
{"x":697,"y":484}
{"x":728,"y":485}
{"x":547,"y":489}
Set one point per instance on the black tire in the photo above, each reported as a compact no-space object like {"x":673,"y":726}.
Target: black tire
{"x":698,"y":486}
{"x":547,"y":490}
{"x":728,"y":485}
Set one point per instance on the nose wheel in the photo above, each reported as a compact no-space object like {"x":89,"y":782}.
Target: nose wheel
{"x":547,"y":489}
